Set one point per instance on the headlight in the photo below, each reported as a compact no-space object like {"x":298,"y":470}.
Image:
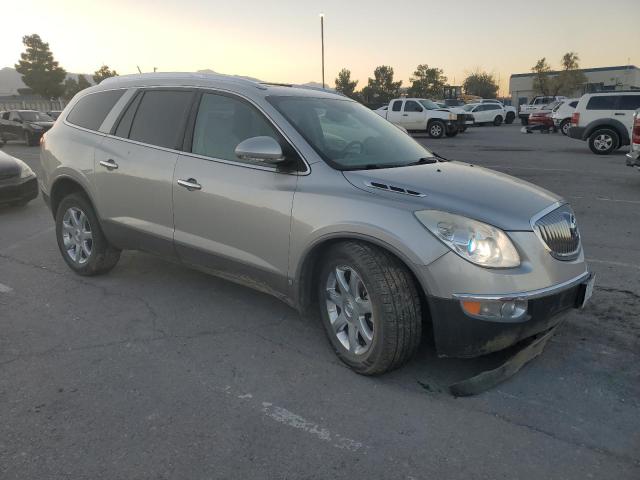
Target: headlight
{"x":453,"y":116}
{"x":475,"y":241}
{"x":25,"y":170}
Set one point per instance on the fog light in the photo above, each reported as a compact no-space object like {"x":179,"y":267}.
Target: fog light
{"x":501,"y":310}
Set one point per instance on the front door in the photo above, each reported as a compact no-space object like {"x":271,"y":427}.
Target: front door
{"x":413,"y":116}
{"x":134,"y":171}
{"x":232,"y":217}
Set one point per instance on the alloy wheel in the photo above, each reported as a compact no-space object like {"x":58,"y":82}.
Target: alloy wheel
{"x":349,"y":309}
{"x":77,"y":236}
{"x":436,"y":130}
{"x":603,"y":142}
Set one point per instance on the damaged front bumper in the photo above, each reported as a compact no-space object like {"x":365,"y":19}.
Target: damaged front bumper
{"x":459,"y":333}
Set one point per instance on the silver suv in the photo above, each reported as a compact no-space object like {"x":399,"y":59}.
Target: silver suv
{"x":313,"y":198}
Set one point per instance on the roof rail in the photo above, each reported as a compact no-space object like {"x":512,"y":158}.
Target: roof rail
{"x":193,"y":75}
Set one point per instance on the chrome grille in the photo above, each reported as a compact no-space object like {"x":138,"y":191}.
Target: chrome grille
{"x":558,"y":230}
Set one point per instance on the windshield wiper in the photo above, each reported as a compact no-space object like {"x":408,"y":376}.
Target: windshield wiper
{"x":423,"y":161}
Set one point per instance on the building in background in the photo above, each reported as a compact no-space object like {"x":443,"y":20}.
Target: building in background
{"x":601,"y":79}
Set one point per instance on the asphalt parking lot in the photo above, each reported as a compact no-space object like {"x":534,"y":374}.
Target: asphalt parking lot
{"x":158,"y":371}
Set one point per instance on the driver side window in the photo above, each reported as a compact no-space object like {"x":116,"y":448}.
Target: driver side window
{"x":223,"y":122}
{"x":412,"y":106}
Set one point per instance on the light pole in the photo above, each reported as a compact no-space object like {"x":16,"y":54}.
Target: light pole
{"x":322,"y":42}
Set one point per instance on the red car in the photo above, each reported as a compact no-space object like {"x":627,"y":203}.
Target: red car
{"x":543,"y":118}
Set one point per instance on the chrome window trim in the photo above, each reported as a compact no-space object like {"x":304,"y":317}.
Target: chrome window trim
{"x":307,"y":170}
{"x":530,"y":295}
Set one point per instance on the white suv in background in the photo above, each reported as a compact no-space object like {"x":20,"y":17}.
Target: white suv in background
{"x":605,"y":119}
{"x":486,"y":113}
{"x":562,"y":115}
{"x":509,"y":111}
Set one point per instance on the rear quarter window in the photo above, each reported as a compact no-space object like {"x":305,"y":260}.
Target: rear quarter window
{"x":91,"y":110}
{"x":607,"y":102}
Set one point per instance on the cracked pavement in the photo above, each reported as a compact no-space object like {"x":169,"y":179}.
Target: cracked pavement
{"x":158,"y":371}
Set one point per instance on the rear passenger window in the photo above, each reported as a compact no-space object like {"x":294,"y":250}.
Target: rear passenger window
{"x":629,"y":102}
{"x":91,"y":110}
{"x":602,"y":103}
{"x":161,"y":117}
{"x":223,"y":122}
{"x":397,"y":105}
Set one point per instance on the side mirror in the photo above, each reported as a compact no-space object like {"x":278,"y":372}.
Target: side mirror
{"x":260,"y":149}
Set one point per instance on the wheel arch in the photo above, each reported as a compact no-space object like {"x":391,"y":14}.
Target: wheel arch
{"x":610,"y":123}
{"x":309,"y":264}
{"x":65,"y":185}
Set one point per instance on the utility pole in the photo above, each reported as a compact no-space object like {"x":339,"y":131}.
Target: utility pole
{"x":322,"y":42}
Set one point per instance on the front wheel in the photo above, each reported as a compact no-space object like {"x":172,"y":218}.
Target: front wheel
{"x":436,"y":129}
{"x":81,"y":240}
{"x":603,"y":141}
{"x":370,"y":308}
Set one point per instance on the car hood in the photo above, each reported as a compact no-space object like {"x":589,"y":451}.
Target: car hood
{"x":8,"y":166}
{"x":475,"y":192}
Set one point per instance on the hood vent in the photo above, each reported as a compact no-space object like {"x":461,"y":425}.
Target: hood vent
{"x":393,"y":188}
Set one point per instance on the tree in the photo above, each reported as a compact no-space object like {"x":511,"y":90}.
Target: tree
{"x":103,"y":72}
{"x":39,"y":70}
{"x":71,"y":86}
{"x":570,"y":78}
{"x":482,"y":84}
{"x":345,"y":85}
{"x":542,"y":82}
{"x":381,"y":89}
{"x":427,"y":82}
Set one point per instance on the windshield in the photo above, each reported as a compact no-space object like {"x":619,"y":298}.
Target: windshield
{"x":35,"y":117}
{"x":429,"y":105}
{"x":348,"y":135}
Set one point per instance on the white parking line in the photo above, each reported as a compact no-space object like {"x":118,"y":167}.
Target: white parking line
{"x":5,"y":288}
{"x":615,"y":264}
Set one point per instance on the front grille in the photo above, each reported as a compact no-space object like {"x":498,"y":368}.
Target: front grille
{"x":558,"y":230}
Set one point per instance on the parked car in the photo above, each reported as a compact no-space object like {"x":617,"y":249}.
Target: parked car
{"x":420,"y":114}
{"x":54,"y":114}
{"x":485,"y":113}
{"x":18,"y":183}
{"x":537,"y":103}
{"x":633,"y":157}
{"x":313,"y":198}
{"x":509,"y":111}
{"x":562,"y":115}
{"x":542,"y":119}
{"x":605,"y":119}
{"x":28,"y":125}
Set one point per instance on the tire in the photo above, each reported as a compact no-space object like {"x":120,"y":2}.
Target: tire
{"x":510,"y":118}
{"x":101,"y":256}
{"x":497,"y":121}
{"x":436,"y":129}
{"x":565,"y":125}
{"x":603,"y":141}
{"x":386,"y":301}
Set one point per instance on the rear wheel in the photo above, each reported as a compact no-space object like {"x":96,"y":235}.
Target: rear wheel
{"x":370,"y":308}
{"x":80,"y":238}
{"x":498,"y":120}
{"x":510,"y":118}
{"x":436,"y":129}
{"x":603,"y":141}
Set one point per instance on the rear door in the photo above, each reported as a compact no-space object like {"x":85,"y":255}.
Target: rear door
{"x":599,"y":106}
{"x":134,"y":170}
{"x":235,"y":219}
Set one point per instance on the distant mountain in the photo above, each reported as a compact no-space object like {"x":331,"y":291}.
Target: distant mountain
{"x":11,"y":81}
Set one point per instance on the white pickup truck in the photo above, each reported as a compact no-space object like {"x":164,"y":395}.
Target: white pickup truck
{"x":424,"y":115}
{"x":537,"y":103}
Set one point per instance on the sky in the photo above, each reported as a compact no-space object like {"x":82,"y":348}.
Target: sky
{"x":279,"y":41}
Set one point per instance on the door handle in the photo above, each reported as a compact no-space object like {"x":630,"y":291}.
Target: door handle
{"x":109,"y":164}
{"x":618,"y":113}
{"x":190,"y":184}
{"x":405,"y":114}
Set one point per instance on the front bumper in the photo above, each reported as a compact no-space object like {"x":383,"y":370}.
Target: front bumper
{"x":18,"y":190}
{"x":460,"y":335}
